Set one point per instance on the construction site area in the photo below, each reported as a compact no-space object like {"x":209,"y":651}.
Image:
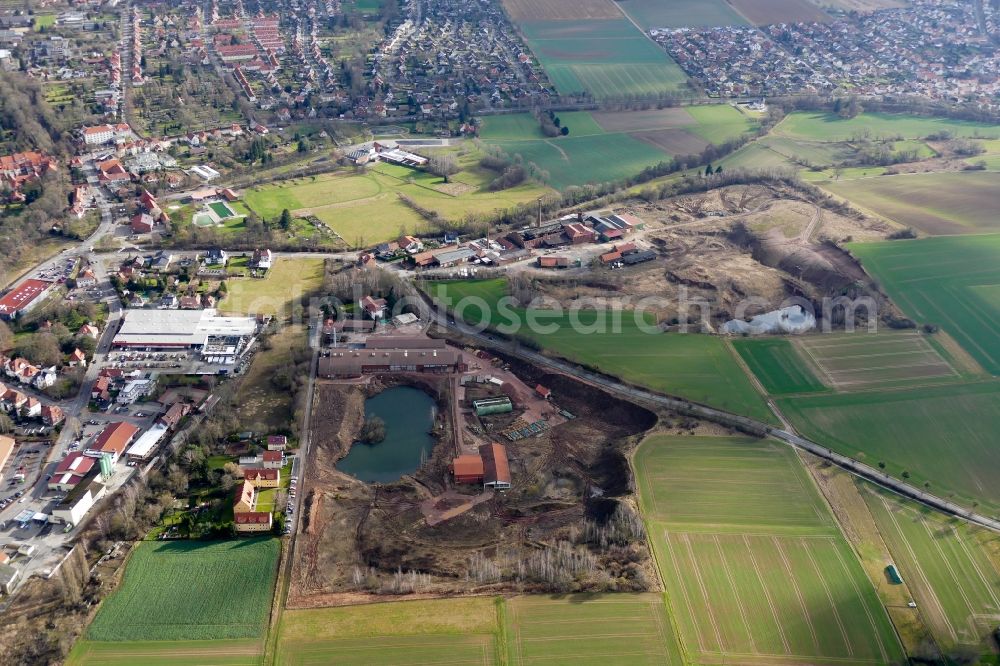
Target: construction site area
{"x":527,"y":487}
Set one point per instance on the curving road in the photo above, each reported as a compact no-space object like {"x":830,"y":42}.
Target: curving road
{"x":611,"y":385}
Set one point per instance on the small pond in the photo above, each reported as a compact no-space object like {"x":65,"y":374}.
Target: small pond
{"x":409,"y":417}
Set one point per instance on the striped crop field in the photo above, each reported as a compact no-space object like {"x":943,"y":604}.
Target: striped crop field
{"x":192,"y":590}
{"x":950,"y":568}
{"x":445,"y":631}
{"x":756,"y":569}
{"x":590,"y":629}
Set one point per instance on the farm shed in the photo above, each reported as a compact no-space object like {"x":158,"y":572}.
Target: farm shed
{"x":496,"y":469}
{"x":467,"y":469}
{"x":487,"y":406}
{"x":893,"y":575}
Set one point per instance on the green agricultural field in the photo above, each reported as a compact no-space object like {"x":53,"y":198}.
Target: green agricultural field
{"x":755,"y":567}
{"x":445,"y":631}
{"x":191,"y":590}
{"x":608,"y":58}
{"x":590,"y":629}
{"x":718,"y":123}
{"x":778,"y":366}
{"x":289,"y":283}
{"x":607,"y":147}
{"x":167,"y":653}
{"x":830,"y":127}
{"x":885,"y":359}
{"x":950,"y":281}
{"x":958,"y":202}
{"x":697,"y":367}
{"x":946,"y":565}
{"x":681,"y":13}
{"x":942,"y":435}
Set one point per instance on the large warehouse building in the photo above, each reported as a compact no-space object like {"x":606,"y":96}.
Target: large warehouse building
{"x":219,"y":339}
{"x":23,"y":298}
{"x":392,"y":355}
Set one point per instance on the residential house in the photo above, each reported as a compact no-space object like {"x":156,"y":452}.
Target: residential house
{"x":262,"y":260}
{"x":77,"y":358}
{"x":90,"y":330}
{"x":410,"y":244}
{"x":262,"y":477}
{"x":141,"y":223}
{"x":253,"y":521}
{"x":216,"y":257}
{"x":276,"y":442}
{"x":246,"y":498}
{"x":375,"y":308}
{"x":134,"y":390}
{"x":272,"y":459}
{"x":52,"y":415}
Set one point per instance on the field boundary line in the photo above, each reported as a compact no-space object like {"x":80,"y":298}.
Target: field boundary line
{"x":861,"y":598}
{"x":951,"y":569}
{"x":687,"y":599}
{"x":925,"y":584}
{"x":833,"y":606}
{"x":798,"y":592}
{"x":732,"y":585}
{"x":767,"y":594}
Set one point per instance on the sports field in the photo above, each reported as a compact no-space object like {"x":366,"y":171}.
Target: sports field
{"x":367,"y":208}
{"x":190,"y":590}
{"x":946,"y":566}
{"x":446,"y":631}
{"x":944,"y":435}
{"x":607,"y":58}
{"x":950,"y":281}
{"x":755,"y":566}
{"x":958,"y":202}
{"x":831,"y":127}
{"x":681,"y":13}
{"x":167,"y":653}
{"x":697,"y":367}
{"x":605,"y":146}
{"x":886,"y":359}
{"x":288,"y":284}
{"x":590,"y":629}
{"x":778,"y":365}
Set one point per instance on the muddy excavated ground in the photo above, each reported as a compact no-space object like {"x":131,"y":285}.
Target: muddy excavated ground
{"x":725,"y":246}
{"x":569,"y":522}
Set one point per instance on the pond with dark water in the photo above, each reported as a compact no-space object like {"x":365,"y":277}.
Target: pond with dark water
{"x":409,"y":415}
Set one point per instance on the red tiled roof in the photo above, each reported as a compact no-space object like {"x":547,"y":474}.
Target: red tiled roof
{"x":114,"y":438}
{"x":253,"y":518}
{"x":272,"y":456}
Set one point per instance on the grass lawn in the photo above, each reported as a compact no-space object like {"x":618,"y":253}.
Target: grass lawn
{"x":950,"y":281}
{"x":943,"y":435}
{"x":192,"y":590}
{"x":262,"y":407}
{"x":590,"y":629}
{"x":368,"y":208}
{"x":445,"y":631}
{"x":718,"y":123}
{"x":697,"y":367}
{"x":951,"y":568}
{"x":755,"y":566}
{"x":935,"y":203}
{"x":288,"y":284}
{"x":167,"y":653}
{"x":778,"y":366}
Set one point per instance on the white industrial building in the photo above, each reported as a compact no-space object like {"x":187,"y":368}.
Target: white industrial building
{"x":219,"y":339}
{"x":147,"y":444}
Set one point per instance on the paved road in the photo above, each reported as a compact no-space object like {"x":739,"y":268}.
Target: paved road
{"x":614,"y":386}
